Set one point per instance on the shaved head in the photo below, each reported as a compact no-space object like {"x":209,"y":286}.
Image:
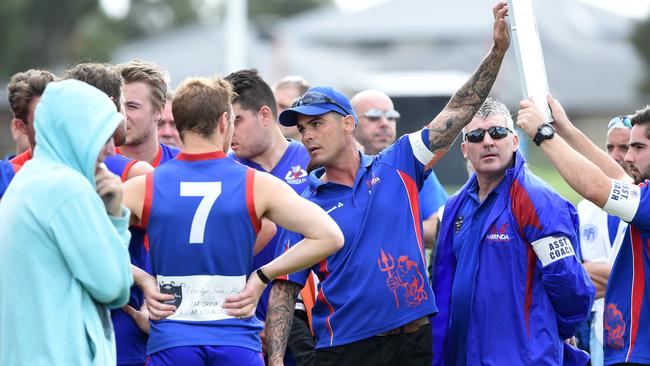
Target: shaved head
{"x":375,"y":131}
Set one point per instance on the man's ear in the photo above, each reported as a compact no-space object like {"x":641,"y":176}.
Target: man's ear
{"x":515,"y":141}
{"x":20,"y":125}
{"x":157,"y":116}
{"x":222,"y":123}
{"x":266,"y":115}
{"x":463,"y":149}
{"x":348,"y":124}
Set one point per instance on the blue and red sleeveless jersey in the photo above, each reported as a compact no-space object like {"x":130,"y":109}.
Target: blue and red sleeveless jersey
{"x":131,"y":342}
{"x":200,"y":218}
{"x":627,"y":299}
{"x":378,"y":280}
{"x":7,"y":171}
{"x":119,"y":165}
{"x":292,"y":169}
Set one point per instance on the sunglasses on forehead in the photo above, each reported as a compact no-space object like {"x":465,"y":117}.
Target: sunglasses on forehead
{"x":623,"y":121}
{"x":496,"y":133}
{"x":311,"y":98}
{"x":375,"y":114}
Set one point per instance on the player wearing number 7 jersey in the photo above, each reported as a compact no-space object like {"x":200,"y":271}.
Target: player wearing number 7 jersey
{"x":202,"y":213}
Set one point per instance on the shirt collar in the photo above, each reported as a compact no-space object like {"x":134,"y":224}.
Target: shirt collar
{"x":364,"y":163}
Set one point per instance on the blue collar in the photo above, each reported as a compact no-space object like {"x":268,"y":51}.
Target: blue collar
{"x":314,"y":176}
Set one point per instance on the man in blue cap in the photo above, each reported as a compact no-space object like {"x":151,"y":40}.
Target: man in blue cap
{"x":374,"y":301}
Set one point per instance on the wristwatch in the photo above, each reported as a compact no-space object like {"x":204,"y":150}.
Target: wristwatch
{"x":544,"y":132}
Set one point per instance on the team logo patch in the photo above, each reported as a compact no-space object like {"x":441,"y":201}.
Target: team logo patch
{"x":297,"y":175}
{"x":588,"y":232}
{"x":404,"y":279}
{"x":614,"y":327}
{"x":500,"y":235}
{"x":172,"y":289}
{"x":374,"y":180}
{"x":458,"y":224}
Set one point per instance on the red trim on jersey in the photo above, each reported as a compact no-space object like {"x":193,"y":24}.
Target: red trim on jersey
{"x":127,"y":168}
{"x":202,"y":156}
{"x":414,"y":203}
{"x":146,"y":242}
{"x":528,"y":297}
{"x":148,"y":197}
{"x":638,"y":286}
{"x":321,"y":298}
{"x":157,"y":158}
{"x":524,"y":213}
{"x":250,"y":200}
{"x":16,"y":168}
{"x":322,"y":268}
{"x":22,"y":158}
{"x":308,"y":294}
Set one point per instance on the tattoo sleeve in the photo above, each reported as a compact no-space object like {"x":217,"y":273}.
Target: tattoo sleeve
{"x":460,"y":110}
{"x":279,"y":318}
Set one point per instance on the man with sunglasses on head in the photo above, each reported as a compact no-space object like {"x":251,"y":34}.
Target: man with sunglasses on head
{"x":508,"y":284}
{"x":374,"y":301}
{"x":376,"y":131}
{"x":601,"y":236}
{"x":600,"y":179}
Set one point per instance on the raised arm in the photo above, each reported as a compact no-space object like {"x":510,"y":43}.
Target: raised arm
{"x":579,"y":142}
{"x":578,"y":171}
{"x":462,"y":107}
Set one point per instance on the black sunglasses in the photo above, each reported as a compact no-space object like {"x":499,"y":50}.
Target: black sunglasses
{"x":311,"y":98}
{"x":496,"y":133}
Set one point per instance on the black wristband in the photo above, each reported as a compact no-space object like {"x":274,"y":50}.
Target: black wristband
{"x":262,"y":276}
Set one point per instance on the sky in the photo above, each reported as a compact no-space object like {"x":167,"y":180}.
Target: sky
{"x":631,"y":8}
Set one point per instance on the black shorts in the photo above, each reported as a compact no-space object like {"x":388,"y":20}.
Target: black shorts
{"x":408,"y":349}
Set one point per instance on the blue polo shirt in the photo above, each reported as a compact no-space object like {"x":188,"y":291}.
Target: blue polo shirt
{"x":468,"y":224}
{"x":377,"y":281}
{"x":432,"y":196}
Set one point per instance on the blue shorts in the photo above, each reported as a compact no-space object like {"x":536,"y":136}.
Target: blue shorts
{"x":205,"y":355}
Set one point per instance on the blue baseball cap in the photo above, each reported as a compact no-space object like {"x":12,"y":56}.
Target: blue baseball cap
{"x":316,"y":101}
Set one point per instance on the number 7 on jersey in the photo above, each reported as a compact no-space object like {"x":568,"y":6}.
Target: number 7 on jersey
{"x":210,"y":191}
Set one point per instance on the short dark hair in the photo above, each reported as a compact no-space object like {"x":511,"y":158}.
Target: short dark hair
{"x":252,"y":92}
{"x":22,"y":89}
{"x":642,"y":117}
{"x":198,"y":104}
{"x":102,"y":76}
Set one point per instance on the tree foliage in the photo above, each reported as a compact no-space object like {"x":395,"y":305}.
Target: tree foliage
{"x":41,"y":33}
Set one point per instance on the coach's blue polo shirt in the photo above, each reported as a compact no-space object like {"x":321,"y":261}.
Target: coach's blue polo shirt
{"x":378,"y":280}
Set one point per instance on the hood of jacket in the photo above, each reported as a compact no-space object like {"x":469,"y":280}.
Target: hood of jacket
{"x":72,"y":122}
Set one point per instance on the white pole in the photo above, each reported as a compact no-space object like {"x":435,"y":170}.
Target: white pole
{"x":236,"y":35}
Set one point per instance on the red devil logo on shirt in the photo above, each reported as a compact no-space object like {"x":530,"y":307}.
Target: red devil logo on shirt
{"x":404,"y":279}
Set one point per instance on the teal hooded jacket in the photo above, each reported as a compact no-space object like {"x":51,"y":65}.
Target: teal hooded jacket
{"x":63,"y":261}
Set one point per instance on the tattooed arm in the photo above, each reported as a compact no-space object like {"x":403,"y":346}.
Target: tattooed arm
{"x":468,"y":99}
{"x":279,"y":317}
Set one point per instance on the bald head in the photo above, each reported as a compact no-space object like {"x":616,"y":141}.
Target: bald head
{"x":375,"y":130}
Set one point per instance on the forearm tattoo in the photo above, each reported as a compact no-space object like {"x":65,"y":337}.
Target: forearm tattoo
{"x":279,"y":318}
{"x":462,"y":107}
